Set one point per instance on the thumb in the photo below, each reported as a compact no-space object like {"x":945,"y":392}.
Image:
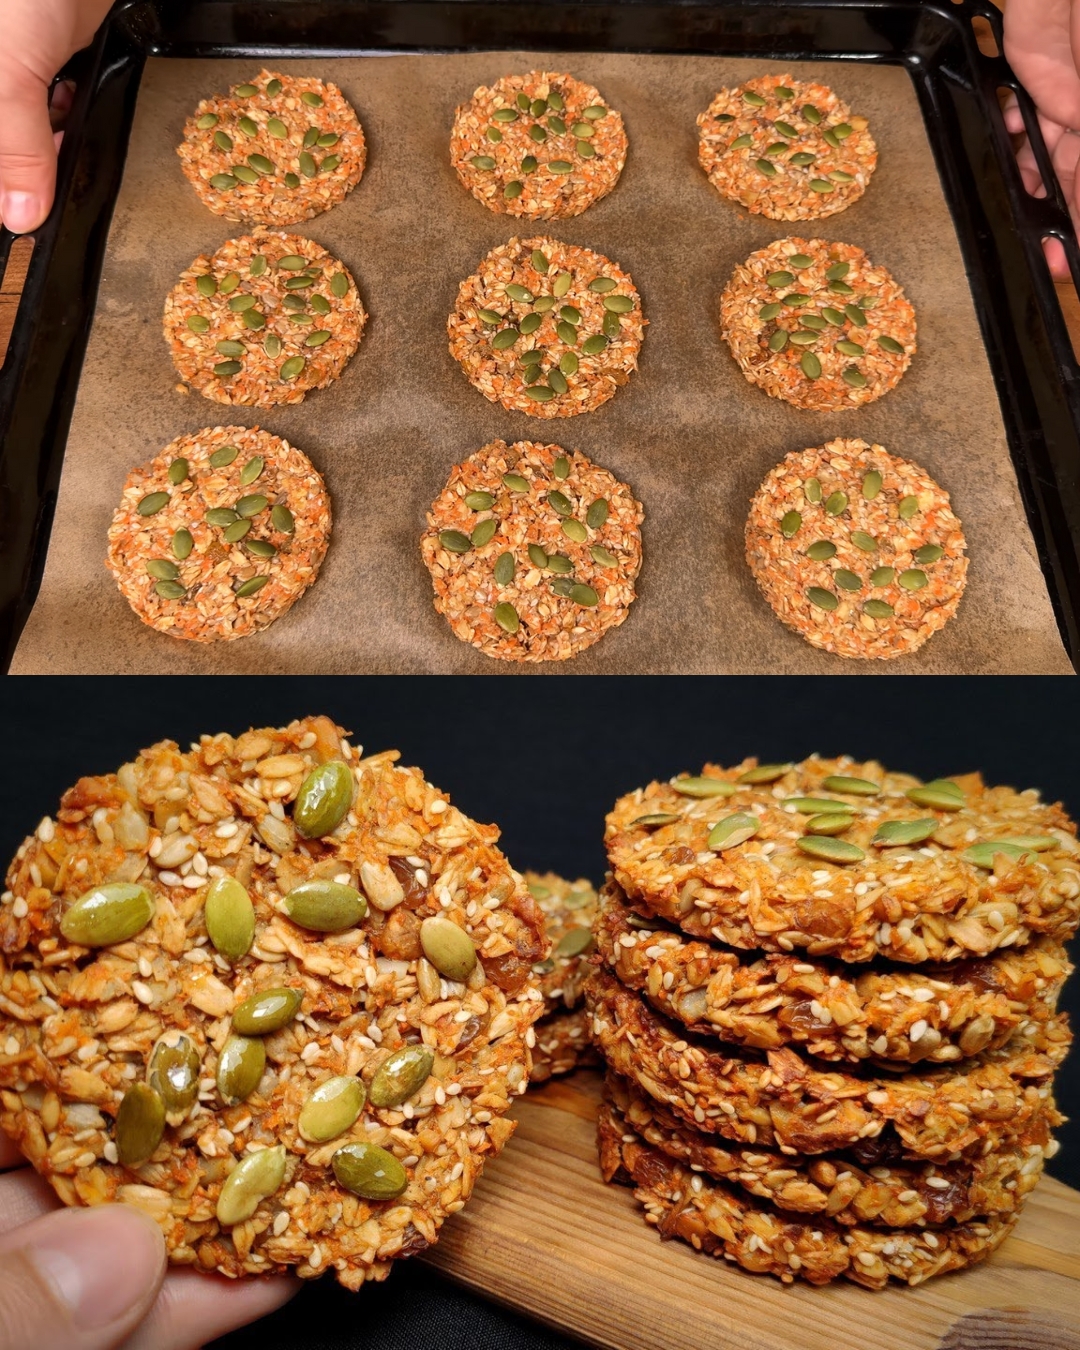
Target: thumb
{"x":78,"y":1279}
{"x":27,"y":152}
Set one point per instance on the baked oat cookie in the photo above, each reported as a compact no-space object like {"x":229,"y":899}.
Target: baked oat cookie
{"x":817,"y":324}
{"x":546,"y":328}
{"x":279,"y":149}
{"x":856,"y":550}
{"x":713,"y":1218}
{"x":569,"y":909}
{"x":899,"y":1195}
{"x":562,"y":1045}
{"x":533,"y":551}
{"x":892,"y":1015}
{"x":849,"y":860}
{"x":787,"y":149}
{"x":263,"y":320}
{"x":782,"y":1100}
{"x":277,"y":994}
{"x":220,"y":534}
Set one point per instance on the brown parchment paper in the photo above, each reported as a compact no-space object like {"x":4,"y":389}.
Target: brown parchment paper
{"x":688,"y":433}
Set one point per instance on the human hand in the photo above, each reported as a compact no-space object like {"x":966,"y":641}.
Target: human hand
{"x":36,"y":38}
{"x":91,"y":1279}
{"x":1042,"y":44}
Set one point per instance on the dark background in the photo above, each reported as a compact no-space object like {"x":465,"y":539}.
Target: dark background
{"x":546,"y":759}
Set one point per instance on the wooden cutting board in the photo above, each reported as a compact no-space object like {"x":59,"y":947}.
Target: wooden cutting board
{"x":544,"y":1235}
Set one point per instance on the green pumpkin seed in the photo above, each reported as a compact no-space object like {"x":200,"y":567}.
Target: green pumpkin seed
{"x":513,"y":190}
{"x":584,"y":595}
{"x":812,"y":490}
{"x":871,"y":484}
{"x":850,"y":348}
{"x":519,"y":293}
{"x":612,"y":325}
{"x":573,"y":529}
{"x":369,"y":1172}
{"x":291,"y":180}
{"x":602,"y":557}
{"x":764,"y":773}
{"x":178,"y":471}
{"x":261,"y":164}
{"x":448,"y":947}
{"x":811,"y":366}
{"x":655,"y":818}
{"x":753,"y":98}
{"x":505,"y":115}
{"x":277,"y":128}
{"x":506,"y":616}
{"x":802,"y":160}
{"x":107,"y":914}
{"x":320,"y":304}
{"x":741,"y":143}
{"x":940,"y":793}
{"x":782,"y":91}
{"x":558,"y":562}
{"x":331,"y":1109}
{"x":813,"y":805}
{"x":763,"y":166}
{"x":223,"y":141}
{"x":505,"y":338}
{"x":259,"y":548}
{"x":567,"y":332}
{"x":594,"y":345}
{"x":197,"y":323}
{"x":541,"y":392}
{"x":853,"y":376}
{"x":182,"y":544}
{"x":524,"y":102}
{"x":878,"y":609}
{"x":291,"y":368}
{"x":272,"y":346}
{"x":768,"y":312}
{"x":479,"y":501}
{"x":786,"y":129}
{"x":909,"y":507}
{"x":250,"y":587}
{"x":618,"y":304}
{"x":822,"y":599}
{"x":855,"y":787}
{"x":323,"y":800}
{"x":162,"y":569}
{"x":255,"y":1177}
{"x":537,"y":134}
{"x":597,"y":514}
{"x":829,"y":849}
{"x":556,"y":101}
{"x":778,"y":341}
{"x":821,"y":550}
{"x":704,"y":787}
{"x":840,"y":288}
{"x":307,"y":165}
{"x":538,"y":107}
{"x":230,"y":917}
{"x":529,"y":324}
{"x":515,"y":482}
{"x":733,"y":830}
{"x":984,"y":854}
{"x":882,"y":576}
{"x":206,"y":121}
{"x":559,"y":502}
{"x":777,"y":279}
{"x":912,"y":579}
{"x":836,"y":503}
{"x":244,"y":174}
{"x":140,"y":1124}
{"x":820,"y":185}
{"x":152,"y":503}
{"x":855,"y":314}
{"x":537,"y":556}
{"x":557,"y":381}
{"x":839,"y":176}
{"x":229,"y":348}
{"x":929,"y":553}
{"x":568,"y":363}
{"x":317,"y":338}
{"x":570,"y":314}
{"x":236,"y":531}
{"x":282,"y":519}
{"x":830,"y":823}
{"x":504,"y":569}
{"x":802,"y":337}
{"x":325,"y":906}
{"x":790,"y":524}
{"x":814,"y":321}
{"x":833,"y":316}
{"x":891,"y":833}
{"x":241,"y":1065}
{"x":529,"y":164}
{"x":560,"y":166}
{"x":222,"y":181}
{"x":830,"y":137}
{"x":312,"y":99}
{"x":484,"y":532}
{"x":401,"y":1075}
{"x":173,"y":1072}
{"x":811,"y":114}
{"x":229,"y":283}
{"x":268,"y":1010}
{"x":847,"y":580}
{"x":1035,"y":843}
{"x":220,"y":516}
{"x":226,"y":368}
{"x":253,"y":319}
{"x":890,"y":344}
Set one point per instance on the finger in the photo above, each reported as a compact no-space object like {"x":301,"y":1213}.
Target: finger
{"x":78,"y":1279}
{"x":27,"y":157}
{"x":23,"y":1196}
{"x":9,"y":1155}
{"x":1054,"y":251}
{"x":194,"y":1308}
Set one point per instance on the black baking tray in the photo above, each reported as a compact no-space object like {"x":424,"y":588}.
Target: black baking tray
{"x":999,"y":225}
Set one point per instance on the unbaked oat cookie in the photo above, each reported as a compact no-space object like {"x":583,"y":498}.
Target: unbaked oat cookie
{"x":279,"y":149}
{"x":263,"y":320}
{"x":546,"y":328}
{"x":783,"y":1100}
{"x":899,"y":1195}
{"x":817,"y":324}
{"x":892,"y":1015}
{"x":786,"y":149}
{"x":533,"y":551}
{"x":541,"y":145}
{"x":849,"y":860}
{"x":275,"y":993}
{"x":562,"y":1045}
{"x":713,"y":1218}
{"x":858,"y":551}
{"x":220,"y":534}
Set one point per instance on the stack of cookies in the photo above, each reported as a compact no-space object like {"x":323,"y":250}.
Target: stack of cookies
{"x":826,"y":1000}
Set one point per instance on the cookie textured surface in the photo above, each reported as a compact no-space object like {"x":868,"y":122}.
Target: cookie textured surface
{"x":547,"y":328}
{"x":569,"y":909}
{"x":915,"y":871}
{"x":533,"y":551}
{"x":562,"y":1045}
{"x":542,"y":145}
{"x":893,"y":1015}
{"x":277,"y":994}
{"x":787,"y":149}
{"x":263,"y":320}
{"x":278,"y":149}
{"x":220,"y":534}
{"x":898,"y":1194}
{"x":785,"y":1101}
{"x":817,"y":324}
{"x":856,"y":550}
{"x":714,"y":1218}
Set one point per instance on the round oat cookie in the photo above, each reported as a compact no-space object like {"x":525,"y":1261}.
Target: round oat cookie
{"x":784,"y":1100}
{"x":817,"y":324}
{"x":849,"y":860}
{"x":856,"y":550}
{"x":787,"y":149}
{"x":533,"y":551}
{"x":546,"y":328}
{"x":898,"y":1195}
{"x":311,"y":1092}
{"x":263,"y":320}
{"x":713,"y":1218}
{"x":569,"y":909}
{"x":279,"y":149}
{"x":541,"y":145}
{"x":562,"y":1045}
{"x":933,"y":1013}
{"x":220,"y":534}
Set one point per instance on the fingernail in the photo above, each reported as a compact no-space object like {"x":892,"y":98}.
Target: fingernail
{"x":100,"y":1261}
{"x":21,"y":211}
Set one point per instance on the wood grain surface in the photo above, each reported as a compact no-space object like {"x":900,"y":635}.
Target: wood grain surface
{"x":543,"y":1234}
